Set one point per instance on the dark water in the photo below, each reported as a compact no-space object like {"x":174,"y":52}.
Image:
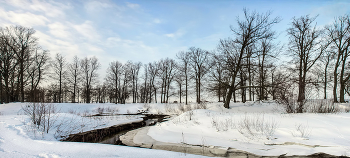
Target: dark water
{"x":110,"y":135}
{"x":114,"y":139}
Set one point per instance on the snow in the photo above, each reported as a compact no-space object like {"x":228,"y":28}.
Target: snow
{"x":19,"y":139}
{"x":272,"y":131}
{"x":262,"y":128}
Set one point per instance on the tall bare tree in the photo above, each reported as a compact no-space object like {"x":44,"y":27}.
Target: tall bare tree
{"x":200,"y":64}
{"x":89,"y":67}
{"x":179,"y":79}
{"x":153,"y":70}
{"x":304,"y":44}
{"x":126,"y":78}
{"x":185,"y":70}
{"x":74,"y":77}
{"x":266,"y":55}
{"x":114,"y":72}
{"x":339,"y":35}
{"x":144,"y":96}
{"x":8,"y":64}
{"x":166,"y":73}
{"x":59,"y":73}
{"x":36,"y":73}
{"x":135,"y":69}
{"x":22,"y":43}
{"x":219,"y":77}
{"x":252,"y":28}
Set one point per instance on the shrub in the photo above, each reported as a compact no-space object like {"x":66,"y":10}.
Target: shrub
{"x":202,"y":105}
{"x":181,"y":107}
{"x":42,"y":115}
{"x":322,"y":106}
{"x":222,"y":125}
{"x":169,"y":108}
{"x":257,"y":126}
{"x":146,"y":107}
{"x":302,"y":130}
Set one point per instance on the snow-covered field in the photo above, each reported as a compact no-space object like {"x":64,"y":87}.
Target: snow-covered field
{"x":259,"y":128}
{"x":18,"y":138}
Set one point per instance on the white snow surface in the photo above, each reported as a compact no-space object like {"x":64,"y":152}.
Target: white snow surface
{"x":19,"y":139}
{"x":256,"y":127}
{"x":260,"y":128}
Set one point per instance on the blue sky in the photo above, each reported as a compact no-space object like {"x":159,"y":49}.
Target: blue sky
{"x":148,"y":30}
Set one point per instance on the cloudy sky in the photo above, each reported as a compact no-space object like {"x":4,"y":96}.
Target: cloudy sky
{"x":147,"y":30}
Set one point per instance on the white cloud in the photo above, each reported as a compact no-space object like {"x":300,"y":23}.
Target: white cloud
{"x":26,"y":19}
{"x":130,"y":49}
{"x":68,"y":49}
{"x":87,"y":30}
{"x":132,"y":5}
{"x":178,"y":33}
{"x":59,"y":30}
{"x":94,"y":49}
{"x":170,"y":35}
{"x":96,"y":5}
{"x":157,"y":21}
{"x":51,"y":9}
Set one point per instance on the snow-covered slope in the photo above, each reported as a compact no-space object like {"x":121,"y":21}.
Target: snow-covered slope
{"x":18,"y":139}
{"x":260,"y":128}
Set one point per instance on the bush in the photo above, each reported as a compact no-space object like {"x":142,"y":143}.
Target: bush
{"x":42,"y":115}
{"x":289,"y":103}
{"x":322,"y":106}
{"x":146,"y":107}
{"x":169,"y":108}
{"x":302,"y":131}
{"x":202,"y":105}
{"x":257,"y":126}
{"x":181,"y":107}
{"x":222,"y":125}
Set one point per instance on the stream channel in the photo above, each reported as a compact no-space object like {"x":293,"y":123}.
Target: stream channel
{"x":110,"y":135}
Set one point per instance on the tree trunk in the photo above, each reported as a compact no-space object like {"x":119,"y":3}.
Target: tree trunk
{"x":230,"y":92}
{"x":342,"y":91}
{"x":186,"y":85}
{"x":180,"y":92}
{"x":325,"y":79}
{"x":335,"y":76}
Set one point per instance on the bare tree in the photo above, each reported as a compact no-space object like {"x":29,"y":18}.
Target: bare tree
{"x":200,"y":64}
{"x":166,"y":73}
{"x":89,"y":67}
{"x":339,"y":35}
{"x":21,"y":42}
{"x":266,"y":54}
{"x":252,"y":28}
{"x":304,"y":44}
{"x":153,"y":69}
{"x":135,"y":69}
{"x":113,"y":77}
{"x":184,"y":60}
{"x":59,"y":73}
{"x":74,"y":77}
{"x":144,"y":96}
{"x":36,"y":73}
{"x":8,"y":64}
{"x":179,"y":79}
{"x":126,"y":77}
{"x":219,"y":77}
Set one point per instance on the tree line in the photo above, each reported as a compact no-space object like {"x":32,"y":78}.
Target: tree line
{"x":242,"y":67}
